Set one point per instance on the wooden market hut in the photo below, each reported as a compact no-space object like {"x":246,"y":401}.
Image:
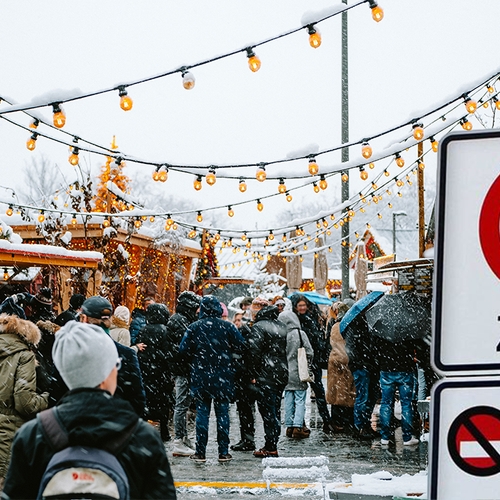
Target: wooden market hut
{"x":133,"y":267}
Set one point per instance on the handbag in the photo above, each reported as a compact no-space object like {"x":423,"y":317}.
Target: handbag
{"x":303,"y":364}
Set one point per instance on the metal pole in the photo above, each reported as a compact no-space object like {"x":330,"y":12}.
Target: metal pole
{"x":421,"y":203}
{"x":394,"y":235}
{"x":345,"y":153}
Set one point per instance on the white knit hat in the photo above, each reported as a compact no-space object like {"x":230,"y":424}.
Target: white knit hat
{"x":84,"y":354}
{"x":122,"y":313}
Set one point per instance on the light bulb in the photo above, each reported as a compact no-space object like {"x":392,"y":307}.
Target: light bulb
{"x":374,"y":186}
{"x":399,"y":183}
{"x":325,"y":223}
{"x":188,"y":80}
{"x":248,"y":244}
{"x":163,"y":175}
{"x":260,"y":206}
{"x":314,"y":37}
{"x":345,"y":176}
{"x":126,"y":102}
{"x":421,"y":165}
{"x":313,"y":167}
{"x":281,"y":187}
{"x":377,"y":13}
{"x":497,"y":104}
{"x":400,"y":194}
{"x":156,"y":176}
{"x":322,"y":183}
{"x":486,"y":104}
{"x":9,"y":211}
{"x":170,"y":221}
{"x":418,"y":132}
{"x":34,"y":124}
{"x":58,"y":118}
{"x":105,"y":222}
{"x":73,"y":220}
{"x":289,"y":197}
{"x":271,"y":235}
{"x":242,"y":186}
{"x":399,"y":161}
{"x":283,"y":238}
{"x":5,"y":275}
{"x":31,"y":143}
{"x":470,"y":105}
{"x":41,"y":217}
{"x":253,"y":60}
{"x":261,"y":174}
{"x":152,"y":218}
{"x":73,"y":159}
{"x":491,"y":89}
{"x":210,"y":178}
{"x":316,"y":187}
{"x":466,"y":124}
{"x":197,"y":183}
{"x":230,"y":211}
{"x":363,"y":173}
{"x":386,"y":173}
{"x":199,"y":217}
{"x":366,"y":150}
{"x":192,"y":234}
{"x":371,"y":165}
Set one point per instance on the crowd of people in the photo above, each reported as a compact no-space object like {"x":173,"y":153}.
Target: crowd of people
{"x":192,"y":359}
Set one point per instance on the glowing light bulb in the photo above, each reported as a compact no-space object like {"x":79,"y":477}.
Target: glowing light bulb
{"x":374,"y":186}
{"x":156,"y":176}
{"x":289,"y":197}
{"x":386,"y":173}
{"x":163,"y":175}
{"x":271,"y":235}
{"x":399,"y":161}
{"x":230,"y":211}
{"x":345,"y":176}
{"x":418,"y":132}
{"x":314,"y":37}
{"x":260,"y":206}
{"x":261,"y":174}
{"x":126,"y":102}
{"x":322,"y":183}
{"x":199,"y":217}
{"x":58,"y":118}
{"x":197,"y":183}
{"x":366,"y":150}
{"x":421,"y":165}
{"x":283,"y":238}
{"x":313,"y":167}
{"x":34,"y":124}
{"x":281,"y":187}
{"x":9,"y":211}
{"x":497,"y":104}
{"x":316,"y":187}
{"x":466,"y":124}
{"x":31,"y":143}
{"x":5,"y":275}
{"x":399,"y":183}
{"x":377,"y":13}
{"x":253,"y":60}
{"x":363,"y":173}
{"x":470,"y":105}
{"x":188,"y":80}
{"x":73,"y":159}
{"x":192,"y":234}
{"x":242,"y":185}
{"x":137,"y":224}
{"x":73,"y":220}
{"x":41,"y":217}
{"x":244,"y":237}
{"x":105,"y":222}
{"x":210,"y":178}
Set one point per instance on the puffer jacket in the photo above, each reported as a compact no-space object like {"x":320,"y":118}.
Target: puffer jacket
{"x":267,"y":350}
{"x":19,"y":400}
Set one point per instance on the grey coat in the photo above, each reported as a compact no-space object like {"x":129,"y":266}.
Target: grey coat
{"x":293,"y":336}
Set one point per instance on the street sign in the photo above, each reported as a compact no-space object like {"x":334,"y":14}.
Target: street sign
{"x":465,"y":439}
{"x":466,"y":318}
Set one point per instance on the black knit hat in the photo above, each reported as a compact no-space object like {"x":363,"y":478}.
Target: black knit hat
{"x":189,"y":300}
{"x":44,"y":296}
{"x":97,"y":307}
{"x":76,"y":300}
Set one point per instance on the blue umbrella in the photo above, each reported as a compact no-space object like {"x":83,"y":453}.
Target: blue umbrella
{"x":358,"y":307}
{"x":316,"y":297}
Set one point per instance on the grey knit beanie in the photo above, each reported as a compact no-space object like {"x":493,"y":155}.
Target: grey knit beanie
{"x":84,"y":354}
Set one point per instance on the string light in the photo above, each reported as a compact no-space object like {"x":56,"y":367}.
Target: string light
{"x":283,"y":238}
{"x":497,"y":103}
{"x":261,"y":173}
{"x":434,"y":144}
{"x":313,"y":167}
{"x":377,"y":12}
{"x":41,"y":217}
{"x":466,"y":124}
{"x":345,"y":176}
{"x":192,"y":233}
{"x":211,"y":178}
{"x":197,"y":183}
{"x":230,"y":211}
{"x":371,"y":165}
{"x":363,"y":173}
{"x":322,"y":182}
{"x":5,"y":275}
{"x":316,"y":187}
{"x":34,"y":123}
{"x":188,"y":80}
{"x":106,"y":222}
{"x":58,"y":117}
{"x":242,"y":185}
{"x":260,"y":206}
{"x":421,"y":165}
{"x":126,"y":102}
{"x":470,"y":105}
{"x":386,"y":173}
{"x":73,"y":159}
{"x":163,"y":174}
{"x":281,"y":186}
{"x":244,"y":236}
{"x":73,"y":220}
{"x":379,"y":215}
{"x":9,"y":211}
{"x":366,"y":150}
{"x":253,"y":60}
{"x":314,"y":37}
{"x":418,"y":131}
{"x":289,"y":197}
{"x":199,"y":217}
{"x":156,"y":175}
{"x":31,"y":142}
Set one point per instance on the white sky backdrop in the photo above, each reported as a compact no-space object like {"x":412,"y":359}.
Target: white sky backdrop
{"x":422,"y":52}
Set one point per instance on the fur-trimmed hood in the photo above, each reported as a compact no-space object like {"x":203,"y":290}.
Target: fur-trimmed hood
{"x":27,"y":334}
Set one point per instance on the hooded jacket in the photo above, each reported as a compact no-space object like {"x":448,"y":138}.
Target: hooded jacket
{"x":209,"y":344}
{"x":19,"y":400}
{"x":92,"y":417}
{"x":267,"y":345}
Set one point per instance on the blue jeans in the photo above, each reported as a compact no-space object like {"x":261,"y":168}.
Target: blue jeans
{"x":182,"y":402}
{"x":363,"y":406}
{"x":295,"y":408}
{"x":203,"y":406}
{"x":389,"y":382}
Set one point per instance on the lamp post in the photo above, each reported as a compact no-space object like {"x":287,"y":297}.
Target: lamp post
{"x":394,"y":215}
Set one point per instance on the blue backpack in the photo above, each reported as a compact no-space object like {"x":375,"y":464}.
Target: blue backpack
{"x":82,"y":471}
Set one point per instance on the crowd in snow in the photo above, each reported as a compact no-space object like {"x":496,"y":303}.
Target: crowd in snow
{"x":196,"y":358}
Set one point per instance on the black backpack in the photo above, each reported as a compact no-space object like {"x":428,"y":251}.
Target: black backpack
{"x":82,"y":471}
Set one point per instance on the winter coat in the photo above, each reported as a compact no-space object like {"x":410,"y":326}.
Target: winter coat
{"x":66,"y":316}
{"x":119,"y":332}
{"x":395,"y":356}
{"x":359,"y":346}
{"x":156,"y":360}
{"x":137,"y":324}
{"x":19,"y":400}
{"x":340,"y":389}
{"x":267,"y":350}
{"x":176,"y":328}
{"x":315,"y":336}
{"x":295,"y":338}
{"x":242,"y":376}
{"x":45,"y":370}
{"x":91,"y":418}
{"x":209,"y":344}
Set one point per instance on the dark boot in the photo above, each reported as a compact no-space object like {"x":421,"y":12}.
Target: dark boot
{"x":244,"y":445}
{"x":299,"y":433}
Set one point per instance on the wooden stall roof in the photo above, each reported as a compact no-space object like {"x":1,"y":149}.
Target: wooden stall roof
{"x":228,"y":281}
{"x":96,"y":231}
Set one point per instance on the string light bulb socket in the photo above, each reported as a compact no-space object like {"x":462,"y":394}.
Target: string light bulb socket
{"x":163,"y":174}
{"x":9,"y":211}
{"x":281,"y":186}
{"x":261,"y":175}
{"x":188,"y":80}
{"x":41,"y":217}
{"x":418,"y":131}
{"x":5,"y":275}
{"x":73,"y":158}
{"x":314,"y":37}
{"x":211,"y":179}
{"x":253,"y":61}
{"x":260,"y":206}
{"x":199,"y":217}
{"x":197,"y":183}
{"x":470,"y":105}
{"x":242,"y":185}
{"x":313,"y":167}
{"x":34,"y":123}
{"x":31,"y":142}
{"x":466,"y":124}
{"x":230,"y":211}
{"x":289,"y":197}
{"x":434,"y":144}
{"x":322,"y":182}
{"x":345,"y":176}
{"x":126,"y":102}
{"x":58,"y":117}
{"x":316,"y":187}
{"x":366,"y":150}
{"x":377,"y":12}
{"x":363,"y":173}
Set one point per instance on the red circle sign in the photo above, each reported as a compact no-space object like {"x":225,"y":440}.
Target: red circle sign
{"x":489,"y":227}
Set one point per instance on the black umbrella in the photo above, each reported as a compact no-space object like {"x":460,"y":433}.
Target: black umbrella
{"x":400,"y":317}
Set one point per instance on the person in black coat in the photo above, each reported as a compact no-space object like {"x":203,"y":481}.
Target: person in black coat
{"x":155,"y":362}
{"x":268,"y":367}
{"x":75,"y":304}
